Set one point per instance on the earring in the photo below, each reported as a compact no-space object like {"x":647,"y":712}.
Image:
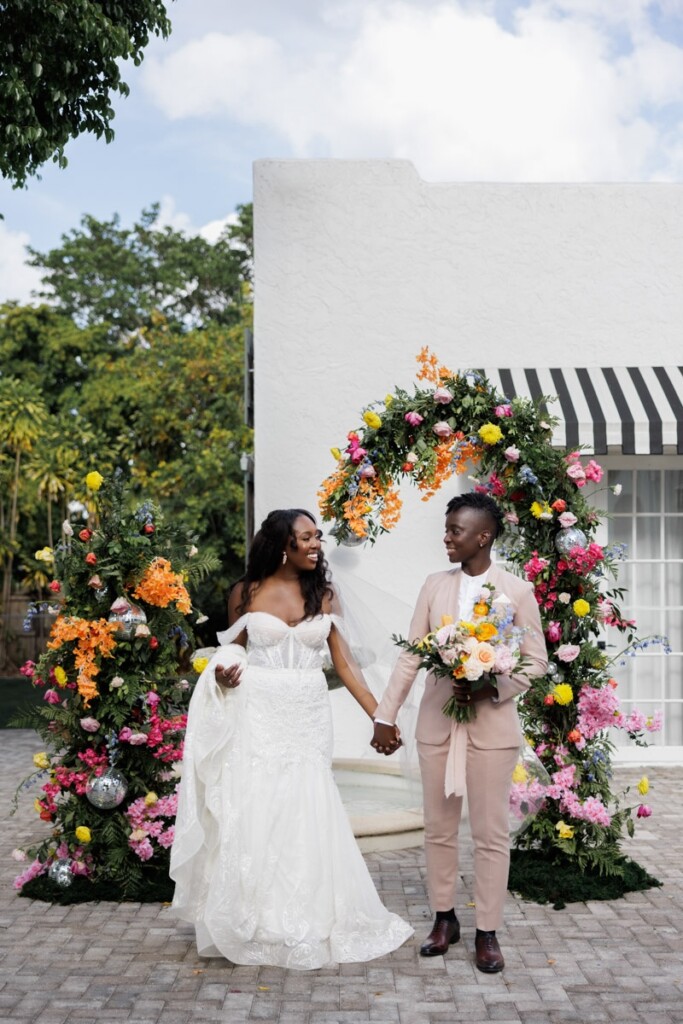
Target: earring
{"x":284,"y":557}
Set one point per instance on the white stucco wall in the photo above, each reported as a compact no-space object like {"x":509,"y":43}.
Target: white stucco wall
{"x":360,"y":264}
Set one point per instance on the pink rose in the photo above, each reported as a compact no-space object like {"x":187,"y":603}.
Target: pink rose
{"x":572,"y":457}
{"x":644,"y":811}
{"x":576,"y":473}
{"x":568,"y":652}
{"x":504,"y":660}
{"x":503,"y":410}
{"x":90,"y":724}
{"x":51,"y":696}
{"x":142,"y":630}
{"x":137,"y":739}
{"x":512,"y":454}
{"x":567,"y":519}
{"x":511,"y":517}
{"x":413,"y":418}
{"x":442,"y":430}
{"x":152,"y":698}
{"x":554,"y":632}
{"x":367,"y":472}
{"x":358,"y":454}
{"x":95,"y":582}
{"x":120,"y":605}
{"x":125,"y":734}
{"x":442,"y":395}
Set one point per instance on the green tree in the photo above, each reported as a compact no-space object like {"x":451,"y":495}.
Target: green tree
{"x":127,"y":278}
{"x":60,"y":71}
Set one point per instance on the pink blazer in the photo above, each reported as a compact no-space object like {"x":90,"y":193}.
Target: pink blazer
{"x":496,"y":724}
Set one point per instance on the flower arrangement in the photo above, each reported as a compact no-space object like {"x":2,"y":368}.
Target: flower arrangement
{"x":114,"y":712}
{"x":455,"y":423}
{"x":473,"y":651}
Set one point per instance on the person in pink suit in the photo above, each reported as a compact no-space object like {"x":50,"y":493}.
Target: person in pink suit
{"x":477,"y":757}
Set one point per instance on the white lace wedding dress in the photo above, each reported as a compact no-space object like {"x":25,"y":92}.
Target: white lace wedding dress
{"x":264,"y":860}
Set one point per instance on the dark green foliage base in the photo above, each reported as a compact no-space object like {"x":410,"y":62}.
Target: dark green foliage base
{"x":81,"y":890}
{"x":536,"y":878}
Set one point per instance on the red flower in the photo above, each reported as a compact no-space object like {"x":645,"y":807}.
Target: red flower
{"x":574,"y":736}
{"x":85,"y":535}
{"x":408,"y":467}
{"x":517,"y":495}
{"x":153,"y":643}
{"x":55,"y":586}
{"x":560,"y":505}
{"x":91,"y":558}
{"x":149,"y":528}
{"x":549,"y":700}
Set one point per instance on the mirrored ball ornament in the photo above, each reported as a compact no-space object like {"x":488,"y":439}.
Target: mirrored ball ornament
{"x":345,"y":536}
{"x":570,"y":538}
{"x":60,"y":872}
{"x":107,"y":790}
{"x":128,"y":616}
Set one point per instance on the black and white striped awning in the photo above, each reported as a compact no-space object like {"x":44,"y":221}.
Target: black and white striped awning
{"x":638,"y":410}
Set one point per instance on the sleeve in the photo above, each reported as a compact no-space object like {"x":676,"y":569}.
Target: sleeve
{"x":533,"y":647}
{"x":408,"y":665}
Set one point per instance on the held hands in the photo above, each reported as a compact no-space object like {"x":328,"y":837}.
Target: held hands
{"x":386,"y":738}
{"x":228,"y":678}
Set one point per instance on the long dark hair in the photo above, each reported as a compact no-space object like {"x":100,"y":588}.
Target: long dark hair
{"x":265,"y":556}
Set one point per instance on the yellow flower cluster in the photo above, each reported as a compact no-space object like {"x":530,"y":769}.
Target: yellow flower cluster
{"x":94,"y":481}
{"x":581,"y":607}
{"x":490,"y":433}
{"x":83,"y":834}
{"x":563,"y":693}
{"x":41,"y":760}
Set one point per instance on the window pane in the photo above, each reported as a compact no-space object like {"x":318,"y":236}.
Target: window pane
{"x":646,"y":588}
{"x":621,"y":532}
{"x":673,"y":576}
{"x":673,"y":629}
{"x":673,"y":724}
{"x":648,"y":483}
{"x":674,"y":680}
{"x":673,"y":490}
{"x":648,"y":542}
{"x":624,"y":502}
{"x":673,"y":537}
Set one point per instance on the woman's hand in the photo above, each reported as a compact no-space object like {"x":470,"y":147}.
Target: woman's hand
{"x":228,"y":677}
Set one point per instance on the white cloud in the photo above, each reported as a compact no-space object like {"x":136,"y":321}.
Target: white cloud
{"x":569,"y":90}
{"x":17,"y":280}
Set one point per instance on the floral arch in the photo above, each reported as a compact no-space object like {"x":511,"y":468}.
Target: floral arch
{"x":453,"y":422}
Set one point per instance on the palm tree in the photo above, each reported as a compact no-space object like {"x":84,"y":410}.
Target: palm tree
{"x":23,"y":416}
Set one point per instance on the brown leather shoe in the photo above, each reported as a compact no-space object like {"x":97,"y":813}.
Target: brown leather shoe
{"x":489,"y":956}
{"x":442,"y":935}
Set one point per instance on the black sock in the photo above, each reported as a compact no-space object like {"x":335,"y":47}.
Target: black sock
{"x":446,"y":915}
{"x":480,"y":932}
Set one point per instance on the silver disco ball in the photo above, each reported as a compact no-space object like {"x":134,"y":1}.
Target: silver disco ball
{"x":345,"y":536}
{"x":128,"y":615}
{"x":570,"y":538}
{"x":107,"y":790}
{"x":60,"y":872}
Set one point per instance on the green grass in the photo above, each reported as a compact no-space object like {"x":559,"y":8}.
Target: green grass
{"x":16,"y":693}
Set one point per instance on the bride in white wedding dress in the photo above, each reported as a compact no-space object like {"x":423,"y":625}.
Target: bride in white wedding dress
{"x":265,"y":863}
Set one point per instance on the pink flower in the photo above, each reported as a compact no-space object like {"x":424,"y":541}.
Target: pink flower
{"x":28,"y":669}
{"x":644,"y":811}
{"x":512,"y":453}
{"x":568,"y":652}
{"x":55,"y":586}
{"x":137,"y":739}
{"x":52,"y":697}
{"x":90,"y":724}
{"x":654,"y":724}
{"x":442,"y":430}
{"x":152,"y":698}
{"x":357,"y":455}
{"x":442,"y":395}
{"x":572,"y":457}
{"x":504,"y":660}
{"x":599,"y":708}
{"x":413,"y":418}
{"x":554,"y":632}
{"x":576,"y":473}
{"x":367,"y":472}
{"x":142,"y":630}
{"x":593,"y":471}
{"x":503,"y":410}
{"x":567,"y":519}
{"x":512,"y":517}
{"x":95,"y":582}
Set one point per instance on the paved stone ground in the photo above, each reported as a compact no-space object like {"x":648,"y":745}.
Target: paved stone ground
{"x":100,"y":963}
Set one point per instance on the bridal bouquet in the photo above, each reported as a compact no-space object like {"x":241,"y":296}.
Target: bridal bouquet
{"x":471,"y":651}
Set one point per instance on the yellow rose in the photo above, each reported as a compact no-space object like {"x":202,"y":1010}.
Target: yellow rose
{"x":485,"y":630}
{"x":45,"y":554}
{"x":336,"y":454}
{"x":388,"y":399}
{"x":481,"y":608}
{"x":490,"y":433}
{"x":60,"y":676}
{"x":520,"y":774}
{"x":83,"y":834}
{"x":372,"y":420}
{"x":199,"y":664}
{"x":41,"y":760}
{"x":581,"y":607}
{"x":151,"y":799}
{"x":563,"y":693}
{"x":566,"y":831}
{"x":644,"y":785}
{"x":94,"y":481}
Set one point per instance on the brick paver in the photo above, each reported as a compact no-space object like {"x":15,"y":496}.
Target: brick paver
{"x":101,"y":963}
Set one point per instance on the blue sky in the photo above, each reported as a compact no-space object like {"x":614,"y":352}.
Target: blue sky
{"x":494,"y":90}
